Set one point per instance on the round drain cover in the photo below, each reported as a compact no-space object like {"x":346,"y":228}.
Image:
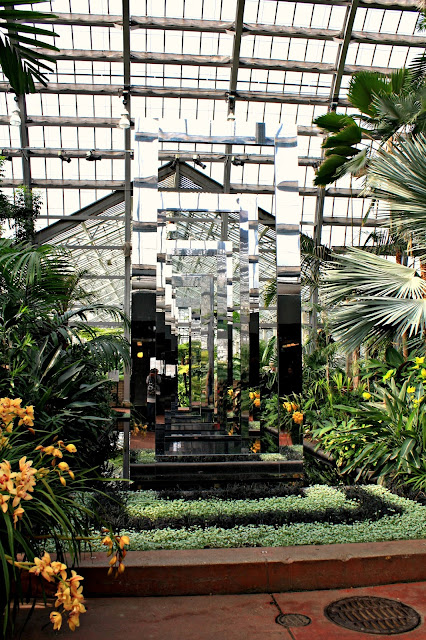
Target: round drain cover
{"x":293,"y":620}
{"x":369,"y":614}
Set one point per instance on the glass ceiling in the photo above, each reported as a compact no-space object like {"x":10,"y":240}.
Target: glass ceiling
{"x":283,"y":61}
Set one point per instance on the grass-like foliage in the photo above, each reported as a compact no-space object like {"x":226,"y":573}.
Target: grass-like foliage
{"x":41,"y":504}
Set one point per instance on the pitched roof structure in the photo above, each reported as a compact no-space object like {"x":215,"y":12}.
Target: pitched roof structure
{"x":260,"y":60}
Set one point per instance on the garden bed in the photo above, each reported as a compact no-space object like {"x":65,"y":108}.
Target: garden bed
{"x":311,"y":516}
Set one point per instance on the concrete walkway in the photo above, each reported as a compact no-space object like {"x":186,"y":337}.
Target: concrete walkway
{"x":222,"y":617}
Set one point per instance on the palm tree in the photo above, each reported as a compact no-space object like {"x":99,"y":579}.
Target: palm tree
{"x":371,"y":298}
{"x":19,"y":61}
{"x":388,"y":106}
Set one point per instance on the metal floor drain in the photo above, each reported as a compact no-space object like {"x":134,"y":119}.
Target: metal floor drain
{"x":289,"y":620}
{"x":369,"y":614}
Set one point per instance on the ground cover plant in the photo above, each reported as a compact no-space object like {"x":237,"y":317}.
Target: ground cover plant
{"x":313,"y":515}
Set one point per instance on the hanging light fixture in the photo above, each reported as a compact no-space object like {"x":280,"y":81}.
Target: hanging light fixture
{"x":15,"y":118}
{"x":124,"y":122}
{"x":231,"y":106}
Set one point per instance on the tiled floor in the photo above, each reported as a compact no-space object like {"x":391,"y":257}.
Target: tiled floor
{"x":233,"y":617}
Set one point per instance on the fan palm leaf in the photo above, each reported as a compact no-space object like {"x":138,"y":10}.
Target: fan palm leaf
{"x":370,"y":297}
{"x":398,"y":179}
{"x":387,"y":105}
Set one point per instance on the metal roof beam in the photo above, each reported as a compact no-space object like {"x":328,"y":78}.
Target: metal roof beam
{"x":334,"y":101}
{"x":233,"y":81}
{"x":165,"y":156}
{"x":343,"y":50}
{"x":168,"y":92}
{"x":31,"y":152}
{"x":91,"y":211}
{"x":216,"y":61}
{"x":254,"y":29}
{"x":216,"y":26}
{"x":118,"y":185}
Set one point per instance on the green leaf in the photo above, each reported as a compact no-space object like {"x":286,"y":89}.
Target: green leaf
{"x":348,"y":136}
{"x":363,"y":87}
{"x":326,"y":173}
{"x":393,"y":357}
{"x":406,"y":448}
{"x":333,"y":122}
{"x":342,"y":151}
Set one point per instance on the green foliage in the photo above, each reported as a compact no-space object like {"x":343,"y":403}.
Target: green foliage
{"x":20,"y":62}
{"x":346,"y":137}
{"x":268,"y":362}
{"x":408,"y":524}
{"x":333,"y":122}
{"x":387,"y":104}
{"x":369,"y":297}
{"x":328,"y":170}
{"x":384,"y":436}
{"x":363,"y":87}
{"x":43,"y":356}
{"x":397,"y":179}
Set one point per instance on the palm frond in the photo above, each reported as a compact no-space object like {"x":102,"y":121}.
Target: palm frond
{"x":398,"y":179}
{"x":363,"y":87}
{"x":395,"y":112}
{"x":270,"y":292}
{"x":370,"y":297}
{"x":20,"y":62}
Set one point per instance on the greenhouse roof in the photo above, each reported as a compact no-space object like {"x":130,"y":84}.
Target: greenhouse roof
{"x":267,"y":60}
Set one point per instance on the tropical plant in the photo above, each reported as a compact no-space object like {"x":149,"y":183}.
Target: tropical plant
{"x":20,"y":61}
{"x":388,"y":105}
{"x":313,"y":257}
{"x":38,"y":507}
{"x":384,"y":436}
{"x":20,"y":211}
{"x":393,"y":424}
{"x":268,"y":363}
{"x":396,"y":178}
{"x":43,"y":355}
{"x":369,"y":297}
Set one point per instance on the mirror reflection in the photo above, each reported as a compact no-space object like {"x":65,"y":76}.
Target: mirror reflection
{"x":211,"y":368}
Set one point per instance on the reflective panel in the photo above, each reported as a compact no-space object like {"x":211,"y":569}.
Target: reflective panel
{"x":222,"y":361}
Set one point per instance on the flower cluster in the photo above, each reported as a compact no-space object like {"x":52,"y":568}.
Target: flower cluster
{"x":297,"y":417}
{"x":10,"y":408}
{"x":255,"y":398}
{"x":56,"y":451}
{"x":116,"y":565}
{"x":69,"y":596}
{"x":17,"y":486}
{"x":139,"y":429}
{"x":255,"y":447}
{"x":290,"y":406}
